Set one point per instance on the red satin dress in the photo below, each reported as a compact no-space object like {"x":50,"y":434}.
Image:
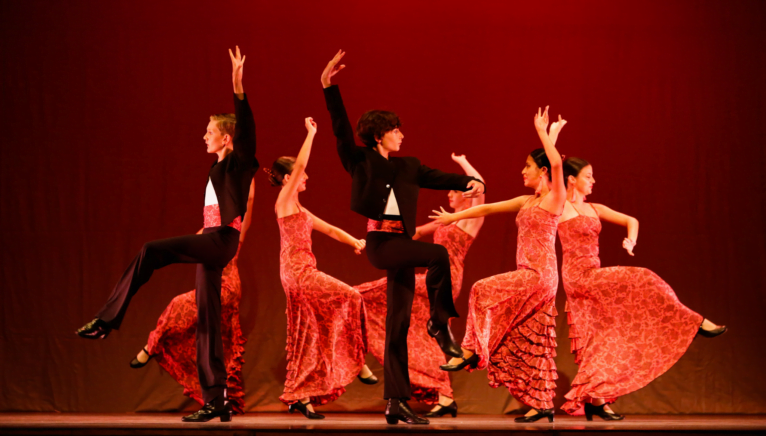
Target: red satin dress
{"x":425,"y":356}
{"x":175,"y":345}
{"x":511,"y":316}
{"x":326,"y":337}
{"x":626,"y":324}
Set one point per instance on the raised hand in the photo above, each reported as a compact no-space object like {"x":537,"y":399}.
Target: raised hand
{"x":311,"y":125}
{"x":442,"y":217}
{"x":237,"y":69}
{"x":459,"y":159}
{"x":541,"y":119}
{"x":556,"y":126}
{"x":332,"y":68}
{"x":359,"y":245}
{"x":475,"y":189}
{"x":628,"y":245}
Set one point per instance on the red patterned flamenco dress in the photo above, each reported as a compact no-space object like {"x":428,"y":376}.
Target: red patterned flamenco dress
{"x":174,"y":340}
{"x":425,"y":356}
{"x":326,"y":340}
{"x":626,"y":324}
{"x":511,"y":319}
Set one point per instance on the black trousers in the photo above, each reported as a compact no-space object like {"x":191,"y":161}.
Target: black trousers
{"x":212,"y":250}
{"x":399,"y":256}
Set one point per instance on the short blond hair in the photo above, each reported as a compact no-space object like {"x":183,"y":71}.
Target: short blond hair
{"x":225,"y":122}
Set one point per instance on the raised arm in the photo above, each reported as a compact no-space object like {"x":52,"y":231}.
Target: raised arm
{"x":244,"y":132}
{"x":299,"y":168}
{"x":471,"y":172}
{"x":558,"y":191}
{"x":513,"y":205}
{"x":350,"y":154}
{"x":614,"y":217}
{"x":249,"y":213}
{"x":338,"y":234}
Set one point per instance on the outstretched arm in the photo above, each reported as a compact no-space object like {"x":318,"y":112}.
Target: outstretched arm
{"x":513,"y":205}
{"x":350,"y":154}
{"x":299,"y":167}
{"x":249,"y":213}
{"x":558,"y":195}
{"x":614,"y":217}
{"x":338,"y":234}
{"x":244,"y":135}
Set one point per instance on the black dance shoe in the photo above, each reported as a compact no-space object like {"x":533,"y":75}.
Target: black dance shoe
{"x":443,"y":410}
{"x":95,"y":329}
{"x":471,"y":362}
{"x":371,"y":380}
{"x":444,"y":338}
{"x":135,"y":363}
{"x":304,"y":410}
{"x":712,"y":333}
{"x":591,"y":410}
{"x":208,"y":412}
{"x":539,"y":415}
{"x":398,"y":410}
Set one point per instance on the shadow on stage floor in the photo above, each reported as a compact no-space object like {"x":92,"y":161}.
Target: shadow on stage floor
{"x":365,"y":424}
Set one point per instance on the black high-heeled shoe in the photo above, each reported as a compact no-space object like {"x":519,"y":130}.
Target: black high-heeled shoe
{"x":371,"y":380}
{"x":599,"y":411}
{"x":135,"y":363}
{"x":444,"y":338}
{"x":300,"y":407}
{"x":398,"y":410}
{"x":471,"y":362}
{"x":712,"y":333}
{"x":539,"y":415}
{"x":95,"y":329}
{"x":443,"y":410}
{"x":208,"y":412}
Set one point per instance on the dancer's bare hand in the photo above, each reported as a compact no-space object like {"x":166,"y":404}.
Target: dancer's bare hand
{"x":459,"y":158}
{"x":359,"y":245}
{"x":237,"y":70}
{"x":475,"y":189}
{"x":556,"y":126}
{"x":541,"y":119}
{"x":628,"y":245}
{"x":442,"y":217}
{"x":332,"y":68}
{"x":311,"y":125}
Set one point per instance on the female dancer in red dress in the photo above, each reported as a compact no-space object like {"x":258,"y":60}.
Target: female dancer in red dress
{"x":429,"y":384}
{"x":173,"y":341}
{"x":326,"y":340}
{"x":619,"y":317}
{"x":511,"y":318}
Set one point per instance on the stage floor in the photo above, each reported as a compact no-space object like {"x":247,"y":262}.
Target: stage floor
{"x":359,"y":424}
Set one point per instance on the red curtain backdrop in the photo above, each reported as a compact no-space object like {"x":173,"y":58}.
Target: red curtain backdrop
{"x":104,"y":105}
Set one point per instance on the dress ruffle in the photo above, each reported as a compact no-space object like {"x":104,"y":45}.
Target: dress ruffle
{"x":523,"y":362}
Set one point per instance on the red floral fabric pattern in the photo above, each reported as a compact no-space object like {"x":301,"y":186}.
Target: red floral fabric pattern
{"x":511,"y":316}
{"x":424,"y":355}
{"x":212,"y":218}
{"x":388,"y":226}
{"x":175,"y":345}
{"x":626,"y":324}
{"x":326,"y":337}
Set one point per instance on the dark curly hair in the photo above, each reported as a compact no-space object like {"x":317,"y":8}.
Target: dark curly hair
{"x":572,"y":167}
{"x":374,"y":124}
{"x":541,"y":160}
{"x":280,"y":167}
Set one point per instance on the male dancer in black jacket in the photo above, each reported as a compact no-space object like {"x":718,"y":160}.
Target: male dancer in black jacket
{"x":232,"y":138}
{"x":385,"y":190}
